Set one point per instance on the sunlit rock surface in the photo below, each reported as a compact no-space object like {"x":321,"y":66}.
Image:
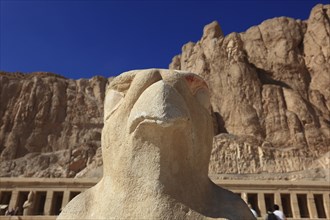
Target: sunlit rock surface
{"x":49,"y":126}
{"x":270,"y":94}
{"x":270,"y":91}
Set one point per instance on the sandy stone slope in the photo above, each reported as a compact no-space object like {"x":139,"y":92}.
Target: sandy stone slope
{"x":270,"y":93}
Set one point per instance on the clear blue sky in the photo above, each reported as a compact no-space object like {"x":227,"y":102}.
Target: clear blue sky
{"x":81,"y":39}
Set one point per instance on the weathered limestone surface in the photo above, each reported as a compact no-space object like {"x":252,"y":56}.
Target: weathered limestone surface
{"x":156,"y":146}
{"x":49,"y":126}
{"x":270,"y":91}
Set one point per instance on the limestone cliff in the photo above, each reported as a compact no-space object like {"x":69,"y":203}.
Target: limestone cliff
{"x":49,"y":125}
{"x":270,"y":91}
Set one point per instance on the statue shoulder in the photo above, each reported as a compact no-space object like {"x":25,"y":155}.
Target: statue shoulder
{"x":228,"y":204}
{"x":78,"y":207}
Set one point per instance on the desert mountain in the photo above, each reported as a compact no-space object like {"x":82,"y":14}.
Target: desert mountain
{"x":270,"y":91}
{"x":270,"y":94}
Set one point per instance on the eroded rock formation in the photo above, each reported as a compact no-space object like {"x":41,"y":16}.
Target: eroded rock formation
{"x":156,"y":145}
{"x":49,"y":126}
{"x":270,"y":93}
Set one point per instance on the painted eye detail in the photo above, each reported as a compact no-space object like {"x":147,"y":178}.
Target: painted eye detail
{"x":203,"y":97}
{"x":199,"y":89}
{"x":112,"y":101}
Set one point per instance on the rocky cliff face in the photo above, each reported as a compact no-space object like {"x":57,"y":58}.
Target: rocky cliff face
{"x":49,"y":125}
{"x":270,"y":91}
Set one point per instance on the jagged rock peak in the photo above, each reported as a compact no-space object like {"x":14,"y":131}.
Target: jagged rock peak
{"x":212,"y":30}
{"x":270,"y":82}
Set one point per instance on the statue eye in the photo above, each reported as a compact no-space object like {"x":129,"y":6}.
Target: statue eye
{"x":203,"y":97}
{"x":112,"y":101}
{"x":199,"y":89}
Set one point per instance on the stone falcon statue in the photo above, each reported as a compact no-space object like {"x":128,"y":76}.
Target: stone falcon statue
{"x":156,"y":146}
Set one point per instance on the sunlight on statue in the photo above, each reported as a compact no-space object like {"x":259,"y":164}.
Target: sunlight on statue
{"x":156,"y":146}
